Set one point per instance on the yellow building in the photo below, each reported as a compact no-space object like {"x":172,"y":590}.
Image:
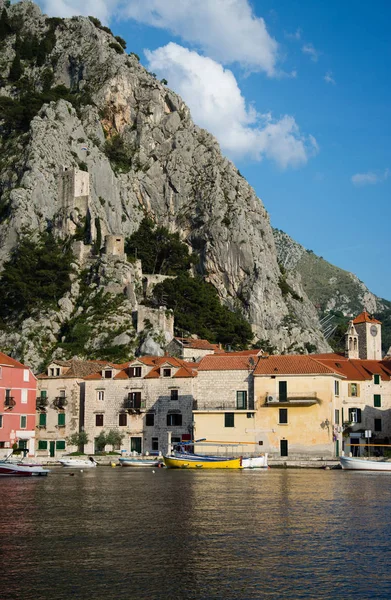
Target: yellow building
{"x":297,"y":410}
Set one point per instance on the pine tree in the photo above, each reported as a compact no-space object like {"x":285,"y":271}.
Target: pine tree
{"x":16,"y":70}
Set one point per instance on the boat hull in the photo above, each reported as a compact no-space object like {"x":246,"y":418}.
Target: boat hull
{"x":360,"y":464}
{"x":22,"y":470}
{"x":173,"y":462}
{"x":77,"y":464}
{"x":255,"y":462}
{"x":137,"y":463}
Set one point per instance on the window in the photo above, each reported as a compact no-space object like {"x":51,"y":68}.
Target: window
{"x":135,"y":372}
{"x":229,"y":419}
{"x":377,"y":424}
{"x":23,"y":421}
{"x":284,"y":447}
{"x":336,"y":388}
{"x":108,"y":374}
{"x":1,"y":421}
{"x":155,"y":444}
{"x":122,"y":419}
{"x":42,"y":419}
{"x":24,"y":396}
{"x":336,"y":417}
{"x":166,"y":372}
{"x":99,"y":420}
{"x":62,"y":393}
{"x":353,"y":390}
{"x":149,"y":420}
{"x":376,"y":379}
{"x":61,"y":419}
{"x":355,"y":415}
{"x":58,"y":372}
{"x":241,"y":400}
{"x":42,"y":445}
{"x":283,"y":416}
{"x":377,"y":400}
{"x":26,"y":375}
{"x":100,"y":395}
{"x":250,"y":415}
{"x":7,"y":394}
{"x":43,"y":394}
{"x":51,"y":372}
{"x":283,"y":391}
{"x":60,"y":444}
{"x":174,"y":394}
{"x":174,"y":420}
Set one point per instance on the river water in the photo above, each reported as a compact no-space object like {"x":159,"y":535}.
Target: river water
{"x":126,"y":534}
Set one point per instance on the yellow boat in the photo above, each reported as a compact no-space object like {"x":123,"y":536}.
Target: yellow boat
{"x":174,"y":462}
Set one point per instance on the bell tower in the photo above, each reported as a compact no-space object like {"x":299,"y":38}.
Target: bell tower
{"x":351,"y":342}
{"x":369,"y":336}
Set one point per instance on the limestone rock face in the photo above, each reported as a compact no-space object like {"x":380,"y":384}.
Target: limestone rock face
{"x":174,"y":172}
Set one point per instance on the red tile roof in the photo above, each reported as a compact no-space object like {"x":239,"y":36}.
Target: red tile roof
{"x":10,"y":362}
{"x":227,"y":362}
{"x":290,"y":364}
{"x":199,"y":344}
{"x":364,"y":318}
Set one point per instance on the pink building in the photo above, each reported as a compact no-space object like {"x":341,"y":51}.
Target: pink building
{"x":18,"y":393}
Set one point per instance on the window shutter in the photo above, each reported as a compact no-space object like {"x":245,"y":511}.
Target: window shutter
{"x":349,"y":389}
{"x":358,"y":390}
{"x":358,"y":415}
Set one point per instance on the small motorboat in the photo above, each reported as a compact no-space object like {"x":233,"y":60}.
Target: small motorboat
{"x":255,"y":462}
{"x":78,"y":463}
{"x":189,"y":461}
{"x":132,"y":461}
{"x":18,"y":468}
{"x":364,"y":464}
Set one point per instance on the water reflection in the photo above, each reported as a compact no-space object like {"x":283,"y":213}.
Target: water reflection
{"x":119,"y":534}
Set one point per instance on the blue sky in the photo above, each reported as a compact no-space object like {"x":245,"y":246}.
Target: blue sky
{"x":298,"y":94}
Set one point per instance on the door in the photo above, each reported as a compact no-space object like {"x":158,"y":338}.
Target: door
{"x":135,"y":444}
{"x":52,"y":448}
{"x":337,"y":448}
{"x":282,"y":391}
{"x":284,"y":447}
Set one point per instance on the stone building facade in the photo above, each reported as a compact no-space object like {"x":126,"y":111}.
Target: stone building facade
{"x":143,"y":400}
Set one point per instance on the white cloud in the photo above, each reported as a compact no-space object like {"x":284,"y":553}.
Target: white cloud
{"x":311,"y":51}
{"x":102,"y":9}
{"x":329,"y":78}
{"x":294,"y":36}
{"x":217,"y":104}
{"x":370,"y":178}
{"x":226,"y":30}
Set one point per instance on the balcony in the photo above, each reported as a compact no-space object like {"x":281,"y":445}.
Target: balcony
{"x":292,"y":399}
{"x":41,"y":402}
{"x":9,"y":402}
{"x":60,"y":402}
{"x":133,"y":405}
{"x":227,"y":405}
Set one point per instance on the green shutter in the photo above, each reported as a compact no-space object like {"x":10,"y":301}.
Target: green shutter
{"x":61,"y":419}
{"x":42,"y":419}
{"x":376,"y":379}
{"x":23,"y":422}
{"x":377,"y":400}
{"x":42,"y":445}
{"x":229,"y":419}
{"x":60,"y":445}
{"x":44,"y":394}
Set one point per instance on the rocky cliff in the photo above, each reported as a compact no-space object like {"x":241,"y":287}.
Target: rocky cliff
{"x":143,"y":154}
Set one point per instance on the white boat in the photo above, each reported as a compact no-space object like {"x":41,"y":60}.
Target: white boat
{"x":363,"y":464}
{"x":132,"y":461}
{"x":11,"y":468}
{"x":255,"y":462}
{"x":78,"y":463}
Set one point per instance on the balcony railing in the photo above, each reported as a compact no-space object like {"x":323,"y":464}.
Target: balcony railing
{"x":60,"y":402}
{"x":9,"y":402}
{"x":292,"y":399}
{"x":221,"y":405}
{"x":41,"y":402}
{"x":133,"y":404}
